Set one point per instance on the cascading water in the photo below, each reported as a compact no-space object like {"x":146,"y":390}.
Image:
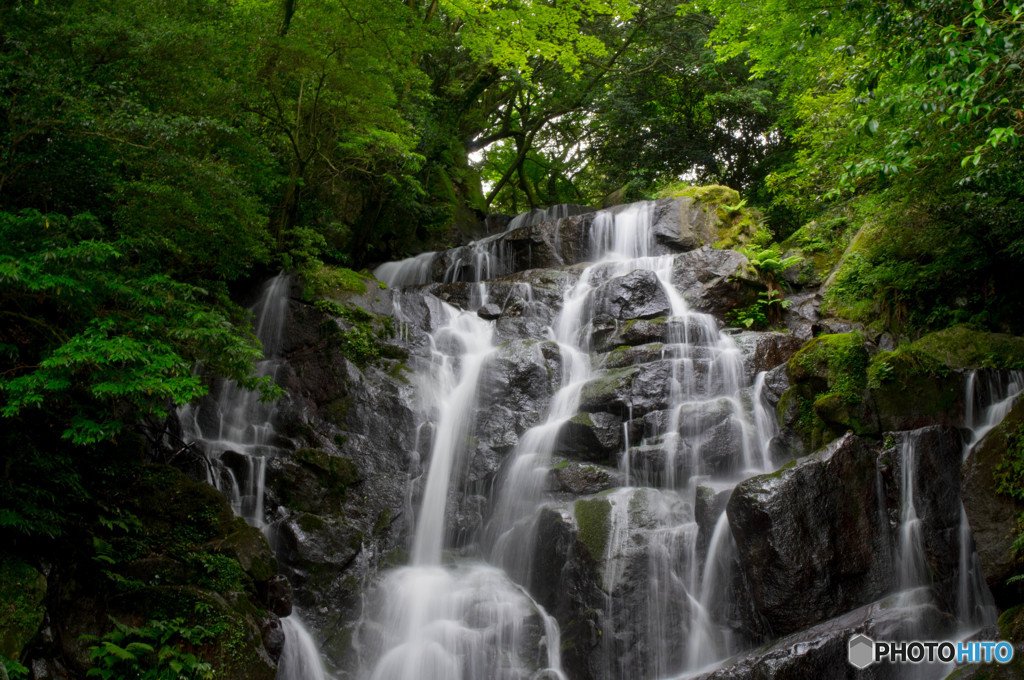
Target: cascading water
{"x":237,"y":432}
{"x":435,"y":622}
{"x":469,"y":619}
{"x":989,"y":397}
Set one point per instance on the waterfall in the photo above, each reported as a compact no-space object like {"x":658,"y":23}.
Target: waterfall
{"x":911,"y":567}
{"x":468,"y":614}
{"x":233,"y":426}
{"x":237,"y":432}
{"x":300,"y":659}
{"x":989,"y":397}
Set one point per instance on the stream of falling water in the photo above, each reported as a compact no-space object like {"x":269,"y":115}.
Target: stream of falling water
{"x":989,"y":397}
{"x":237,"y":432}
{"x":470,"y":619}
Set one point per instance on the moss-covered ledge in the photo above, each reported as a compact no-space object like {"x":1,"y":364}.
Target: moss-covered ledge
{"x":838,"y":386}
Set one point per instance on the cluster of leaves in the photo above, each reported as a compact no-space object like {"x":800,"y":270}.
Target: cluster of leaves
{"x":656,"y":104}
{"x":363,"y":337}
{"x":759,"y":314}
{"x":151,"y":652}
{"x":910,"y":113}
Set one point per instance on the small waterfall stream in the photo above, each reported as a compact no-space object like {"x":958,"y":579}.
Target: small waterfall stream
{"x":989,"y":397}
{"x":236,"y":430}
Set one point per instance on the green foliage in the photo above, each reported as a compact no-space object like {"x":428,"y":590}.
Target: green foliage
{"x":758,"y":314}
{"x":151,"y":652}
{"x":1009,"y":478}
{"x":321,"y":280}
{"x":22,"y":591}
{"x":98,"y":340}
{"x":768,"y":261}
{"x":10,"y":669}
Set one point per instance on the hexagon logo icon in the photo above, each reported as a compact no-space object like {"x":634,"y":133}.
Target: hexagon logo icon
{"x":861,"y":651}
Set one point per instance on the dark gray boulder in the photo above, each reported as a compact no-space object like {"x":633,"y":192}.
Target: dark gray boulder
{"x":821,"y":651}
{"x":812,"y":537}
{"x":715,"y":281}
{"x":595,"y":437}
{"x":636,"y":295}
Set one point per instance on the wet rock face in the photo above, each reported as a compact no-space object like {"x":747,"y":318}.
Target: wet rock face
{"x":637,"y":295}
{"x":821,"y":651}
{"x":594,"y":437}
{"x":812,"y":540}
{"x":714,"y":281}
{"x":765,"y":351}
{"x":581,"y":479}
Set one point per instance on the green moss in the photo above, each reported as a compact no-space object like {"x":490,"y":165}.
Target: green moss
{"x":396,"y":557}
{"x":22,"y":591}
{"x":711,"y":194}
{"x":560,"y":465}
{"x":337,"y":411}
{"x":383,"y":521}
{"x":321,"y":281}
{"x":964,"y":347}
{"x":582,"y":419}
{"x":837,"y":362}
{"x":336,"y":472}
{"x":594,"y":520}
{"x":638,"y":509}
{"x":250,"y":548}
{"x":902,"y":366}
{"x":821,"y":243}
{"x":736,"y":224}
{"x":777,"y":474}
{"x":603,"y":389}
{"x":1011,"y":624}
{"x":829,"y":378}
{"x":310,"y":523}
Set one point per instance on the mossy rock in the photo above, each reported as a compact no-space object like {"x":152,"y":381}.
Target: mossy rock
{"x":22,"y":592}
{"x":733,"y":224}
{"x":600,"y":394}
{"x":737,"y":226}
{"x":179,"y":514}
{"x":249,"y":547}
{"x":839,"y":362}
{"x":582,"y":419}
{"x":912,"y":389}
{"x":322,"y":281}
{"x":1011,"y":624}
{"x":593,"y":517}
{"x":821,"y":243}
{"x":829,"y":377}
{"x":1011,"y":629}
{"x":313,"y":481}
{"x":843,"y":293}
{"x":966,"y":348}
{"x":712,"y":194}
{"x":337,"y":411}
